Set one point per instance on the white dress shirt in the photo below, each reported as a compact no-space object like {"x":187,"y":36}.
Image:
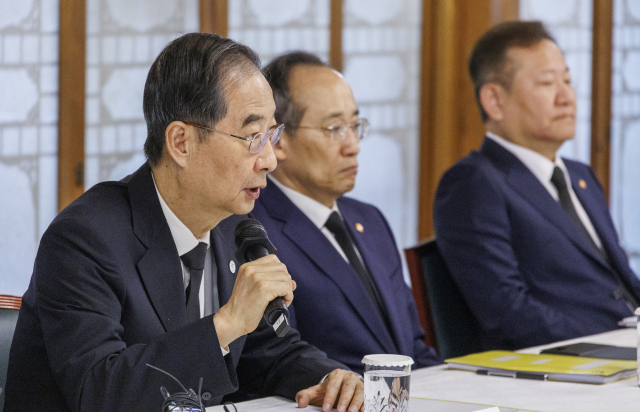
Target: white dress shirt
{"x":542,"y":169}
{"x":315,"y":211}
{"x":185,"y":241}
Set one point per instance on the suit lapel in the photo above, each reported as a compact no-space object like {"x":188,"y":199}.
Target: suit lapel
{"x":365,"y":244}
{"x":223,"y":249}
{"x":223,"y":246}
{"x":522,"y":181}
{"x":313,"y":243}
{"x":160,"y":269}
{"x":598,"y":217}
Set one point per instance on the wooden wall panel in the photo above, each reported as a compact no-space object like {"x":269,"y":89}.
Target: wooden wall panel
{"x":71,"y":100}
{"x":450,"y":124}
{"x":214,"y":17}
{"x":335,"y":35}
{"x":504,"y":10}
{"x":601,"y":91}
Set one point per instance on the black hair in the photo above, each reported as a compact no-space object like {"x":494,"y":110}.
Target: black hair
{"x":277,"y":72}
{"x":488,"y":61}
{"x":186,"y":82}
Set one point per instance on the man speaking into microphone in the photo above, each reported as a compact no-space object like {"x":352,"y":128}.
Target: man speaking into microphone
{"x":143,"y":271}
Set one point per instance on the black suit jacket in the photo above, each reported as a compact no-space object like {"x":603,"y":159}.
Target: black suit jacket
{"x":331,"y":309}
{"x":106,"y":298}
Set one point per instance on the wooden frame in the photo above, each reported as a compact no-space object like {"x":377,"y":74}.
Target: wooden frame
{"x":214,"y":17}
{"x":71,"y":100}
{"x":504,"y":10}
{"x":335,"y":35}
{"x":419,"y":289}
{"x":10,"y":302}
{"x":601,"y":72}
{"x":450,"y":124}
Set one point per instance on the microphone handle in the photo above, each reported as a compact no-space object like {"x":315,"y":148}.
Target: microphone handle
{"x":276,"y":313}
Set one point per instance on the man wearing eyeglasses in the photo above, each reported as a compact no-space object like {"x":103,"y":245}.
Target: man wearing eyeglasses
{"x":351,"y":299}
{"x":142,"y":271}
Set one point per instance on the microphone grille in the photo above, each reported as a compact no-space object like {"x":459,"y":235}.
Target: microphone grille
{"x":249,"y":228}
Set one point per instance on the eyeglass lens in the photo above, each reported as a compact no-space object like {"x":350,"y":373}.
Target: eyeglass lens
{"x":273,"y":135}
{"x":361,"y":128}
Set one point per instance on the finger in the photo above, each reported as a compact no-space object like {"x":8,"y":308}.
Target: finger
{"x":333,"y":383}
{"x":293,"y":287}
{"x":303,"y":398}
{"x":277,"y":289}
{"x":288,"y":298}
{"x":275,"y":282}
{"x":347,"y":390}
{"x":266,"y":259}
{"x":271,"y":270}
{"x":357,"y":402}
{"x":270,"y":281}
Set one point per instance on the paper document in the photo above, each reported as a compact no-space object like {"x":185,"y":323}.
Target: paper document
{"x":415,"y":404}
{"x":435,"y":405}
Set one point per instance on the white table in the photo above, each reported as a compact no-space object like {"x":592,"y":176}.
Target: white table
{"x":438,"y":382}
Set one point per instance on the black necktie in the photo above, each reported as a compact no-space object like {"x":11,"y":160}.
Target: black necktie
{"x":194,"y":260}
{"x":336,"y":226}
{"x":558,"y":180}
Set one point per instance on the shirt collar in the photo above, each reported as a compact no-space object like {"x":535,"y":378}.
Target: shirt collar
{"x":314,"y":210}
{"x":540,"y":166}
{"x":182,"y":236}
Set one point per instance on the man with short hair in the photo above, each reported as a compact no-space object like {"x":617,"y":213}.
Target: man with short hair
{"x":526,"y":234}
{"x":142,"y":271}
{"x":341,"y":252}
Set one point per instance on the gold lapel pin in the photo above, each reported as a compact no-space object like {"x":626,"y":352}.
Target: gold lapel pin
{"x":582,"y":184}
{"x":359,"y":227}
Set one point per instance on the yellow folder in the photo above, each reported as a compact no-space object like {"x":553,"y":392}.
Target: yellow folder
{"x":545,"y":367}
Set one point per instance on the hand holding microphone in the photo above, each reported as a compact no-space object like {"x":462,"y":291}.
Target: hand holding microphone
{"x":253,"y":243}
{"x":262,"y":282}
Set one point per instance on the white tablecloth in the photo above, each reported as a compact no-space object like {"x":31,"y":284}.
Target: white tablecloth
{"x":438,"y":382}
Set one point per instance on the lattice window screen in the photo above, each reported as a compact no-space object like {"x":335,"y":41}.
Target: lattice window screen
{"x":570,"y":22}
{"x":381,"y":44}
{"x":123,"y":38}
{"x":28,"y":134}
{"x":625,"y":130}
{"x":276,"y":26}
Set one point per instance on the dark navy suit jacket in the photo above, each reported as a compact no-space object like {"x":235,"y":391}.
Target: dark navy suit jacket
{"x":331,"y":308}
{"x":526,"y":271}
{"x":107,"y":297}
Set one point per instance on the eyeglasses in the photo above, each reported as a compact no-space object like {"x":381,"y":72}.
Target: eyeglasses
{"x":273,"y":135}
{"x":339,"y":133}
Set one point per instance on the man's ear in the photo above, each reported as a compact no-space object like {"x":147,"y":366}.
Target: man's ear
{"x":281,"y":149}
{"x":492,"y":100}
{"x":179,"y":141}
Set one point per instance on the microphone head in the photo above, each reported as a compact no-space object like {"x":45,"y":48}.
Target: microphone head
{"x":249,"y":229}
{"x":253,"y":243}
{"x":251,"y":234}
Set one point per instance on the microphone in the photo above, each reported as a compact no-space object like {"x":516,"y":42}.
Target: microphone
{"x":253,"y":243}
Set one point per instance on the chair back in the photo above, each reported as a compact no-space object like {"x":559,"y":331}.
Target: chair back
{"x":448,"y":323}
{"x":9,"y":309}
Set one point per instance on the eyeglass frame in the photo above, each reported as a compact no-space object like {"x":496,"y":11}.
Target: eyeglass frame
{"x":278,"y":129}
{"x":362,"y":122}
